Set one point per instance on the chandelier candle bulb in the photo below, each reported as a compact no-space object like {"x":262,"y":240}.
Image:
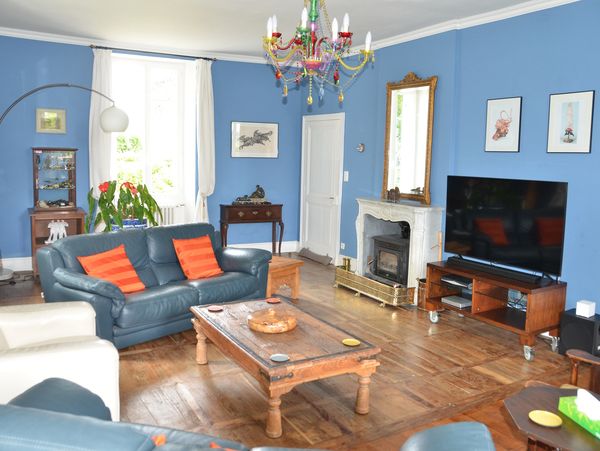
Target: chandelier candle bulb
{"x":346,"y":23}
{"x":334,"y":29}
{"x":304,"y":18}
{"x":368,"y":42}
{"x":270,"y":27}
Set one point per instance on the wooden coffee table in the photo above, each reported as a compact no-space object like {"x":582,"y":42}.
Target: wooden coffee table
{"x":314,"y":347}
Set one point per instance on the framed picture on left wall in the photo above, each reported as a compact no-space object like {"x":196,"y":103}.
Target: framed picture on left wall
{"x":50,"y":121}
{"x":503,"y":125}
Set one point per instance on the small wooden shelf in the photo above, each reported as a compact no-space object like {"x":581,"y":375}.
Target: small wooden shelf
{"x":511,"y":318}
{"x":75,"y":219}
{"x":545,"y":300}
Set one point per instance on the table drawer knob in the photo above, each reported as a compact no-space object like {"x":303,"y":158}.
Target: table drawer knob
{"x":255,"y":212}
{"x":269,"y":214}
{"x":241,"y":214}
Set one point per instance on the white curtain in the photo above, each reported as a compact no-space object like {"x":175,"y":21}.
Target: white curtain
{"x":205,"y":138}
{"x":99,"y":140}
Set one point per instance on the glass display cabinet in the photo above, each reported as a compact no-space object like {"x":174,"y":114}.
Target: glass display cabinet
{"x":54,"y":183}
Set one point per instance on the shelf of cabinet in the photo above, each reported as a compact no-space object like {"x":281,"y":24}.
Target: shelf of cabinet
{"x":57,"y":166}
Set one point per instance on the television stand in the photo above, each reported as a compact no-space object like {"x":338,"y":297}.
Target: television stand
{"x":545,"y":301}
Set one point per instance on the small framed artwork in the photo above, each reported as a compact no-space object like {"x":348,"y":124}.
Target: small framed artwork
{"x":254,"y":140}
{"x":570,"y":122}
{"x":503,"y":125}
{"x":50,"y":121}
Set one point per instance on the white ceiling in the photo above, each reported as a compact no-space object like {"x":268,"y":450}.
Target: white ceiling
{"x":235,"y":27}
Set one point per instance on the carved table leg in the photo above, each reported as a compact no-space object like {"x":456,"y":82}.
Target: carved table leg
{"x":224,"y":228}
{"x":273,"y":429}
{"x":201,"y":345}
{"x":362,"y":397}
{"x":280,"y":235}
{"x":273,"y":237}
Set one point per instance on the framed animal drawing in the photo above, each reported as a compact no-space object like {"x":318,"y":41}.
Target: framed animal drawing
{"x":254,"y":140}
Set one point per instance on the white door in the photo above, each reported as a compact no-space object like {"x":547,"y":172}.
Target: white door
{"x":321,"y":190}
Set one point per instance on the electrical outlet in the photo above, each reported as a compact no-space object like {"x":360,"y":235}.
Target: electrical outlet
{"x":342,"y":246}
{"x":346,"y":176}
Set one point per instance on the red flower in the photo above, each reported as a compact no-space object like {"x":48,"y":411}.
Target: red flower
{"x":131,"y":187}
{"x":103,"y":187}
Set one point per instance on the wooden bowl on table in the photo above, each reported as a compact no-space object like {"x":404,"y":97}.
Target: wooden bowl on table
{"x":270,"y":321}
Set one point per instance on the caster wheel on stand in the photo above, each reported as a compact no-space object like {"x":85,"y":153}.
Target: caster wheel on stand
{"x":528,"y":352}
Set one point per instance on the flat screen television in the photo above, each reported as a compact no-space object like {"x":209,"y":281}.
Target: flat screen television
{"x":517,"y":223}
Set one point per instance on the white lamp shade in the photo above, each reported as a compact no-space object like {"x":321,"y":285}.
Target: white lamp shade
{"x":113,"y":119}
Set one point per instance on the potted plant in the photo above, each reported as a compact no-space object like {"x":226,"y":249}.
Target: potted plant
{"x":134,"y":207}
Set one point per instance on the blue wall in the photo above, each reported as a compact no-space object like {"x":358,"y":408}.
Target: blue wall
{"x":242,"y":92}
{"x":25,"y":65}
{"x":248,"y":93}
{"x":532,"y":56}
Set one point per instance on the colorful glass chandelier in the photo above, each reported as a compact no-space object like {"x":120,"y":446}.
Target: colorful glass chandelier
{"x":319,"y":52}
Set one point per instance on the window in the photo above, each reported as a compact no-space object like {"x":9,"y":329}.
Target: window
{"x":158,"y":147}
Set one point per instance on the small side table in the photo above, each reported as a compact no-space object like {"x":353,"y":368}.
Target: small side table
{"x":568,"y":436}
{"x":284,"y":271}
{"x":248,"y":214}
{"x":74,"y":217}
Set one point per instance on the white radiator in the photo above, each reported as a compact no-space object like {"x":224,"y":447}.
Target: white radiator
{"x":172,"y":214}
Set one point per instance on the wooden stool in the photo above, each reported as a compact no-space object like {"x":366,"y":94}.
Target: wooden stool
{"x":284,"y":271}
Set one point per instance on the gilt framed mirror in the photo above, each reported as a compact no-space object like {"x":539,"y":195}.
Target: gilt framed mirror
{"x":408,"y":134}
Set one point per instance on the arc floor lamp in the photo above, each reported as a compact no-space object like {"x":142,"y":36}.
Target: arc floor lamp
{"x":112,"y":119}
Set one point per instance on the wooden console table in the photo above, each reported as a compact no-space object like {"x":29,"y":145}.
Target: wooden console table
{"x":248,"y":214}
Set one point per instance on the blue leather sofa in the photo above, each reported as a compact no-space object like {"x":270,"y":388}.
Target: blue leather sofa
{"x":57,"y":414}
{"x":163,"y":307}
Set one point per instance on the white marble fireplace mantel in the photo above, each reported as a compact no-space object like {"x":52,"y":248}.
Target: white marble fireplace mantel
{"x":376,"y":217}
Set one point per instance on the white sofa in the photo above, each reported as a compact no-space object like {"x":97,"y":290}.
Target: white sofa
{"x":39,"y":341}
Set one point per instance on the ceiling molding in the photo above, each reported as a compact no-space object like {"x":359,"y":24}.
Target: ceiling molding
{"x":73,"y":40}
{"x":467,"y":22}
{"x":472,"y":21}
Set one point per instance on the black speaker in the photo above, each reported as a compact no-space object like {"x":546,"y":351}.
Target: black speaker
{"x":577,"y":332}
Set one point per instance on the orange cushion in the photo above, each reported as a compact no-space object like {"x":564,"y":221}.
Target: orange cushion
{"x":114,"y":266}
{"x":550,"y":231}
{"x":494,"y":229}
{"x":196,"y":257}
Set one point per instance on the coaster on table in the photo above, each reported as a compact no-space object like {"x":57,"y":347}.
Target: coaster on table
{"x":545,"y":418}
{"x":350,"y":342}
{"x":273,"y":301}
{"x":215,"y":308}
{"x":280,"y":357}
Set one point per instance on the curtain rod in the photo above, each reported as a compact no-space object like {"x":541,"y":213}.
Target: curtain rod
{"x":155,"y":53}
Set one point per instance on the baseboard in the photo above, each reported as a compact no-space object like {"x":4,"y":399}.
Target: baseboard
{"x":286,"y":246}
{"x":18,"y":263}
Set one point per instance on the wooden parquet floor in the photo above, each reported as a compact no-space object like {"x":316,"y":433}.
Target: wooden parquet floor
{"x":430,"y":374}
